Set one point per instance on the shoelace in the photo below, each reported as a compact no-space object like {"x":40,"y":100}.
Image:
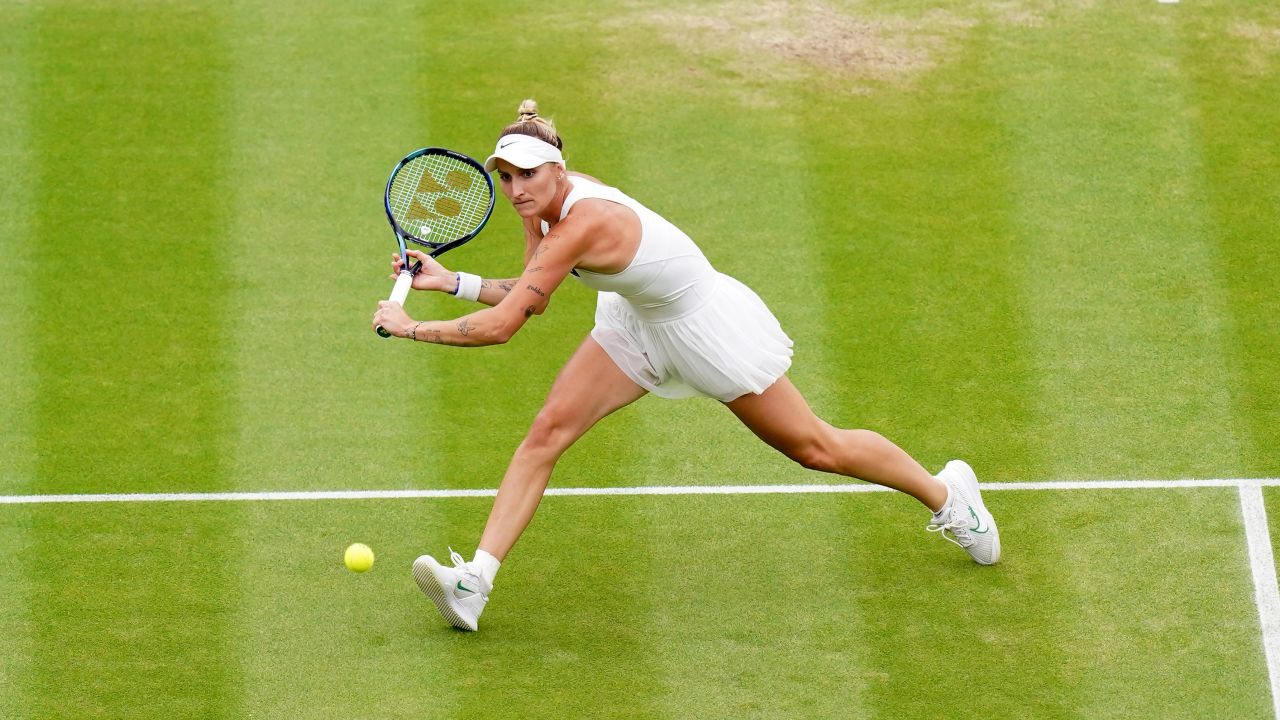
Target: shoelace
{"x":460,"y":563}
{"x":957,"y":523}
{"x":458,"y":560}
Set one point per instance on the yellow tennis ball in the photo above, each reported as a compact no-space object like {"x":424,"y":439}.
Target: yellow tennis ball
{"x":358,"y":557}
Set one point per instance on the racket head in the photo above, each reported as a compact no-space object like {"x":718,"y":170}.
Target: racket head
{"x":438,"y":198}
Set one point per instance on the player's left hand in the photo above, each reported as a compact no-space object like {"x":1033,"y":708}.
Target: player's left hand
{"x":392,"y":317}
{"x":432,"y":276}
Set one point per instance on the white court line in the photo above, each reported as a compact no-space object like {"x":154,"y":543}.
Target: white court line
{"x":1261,"y":560}
{"x":637,"y":490}
{"x":1266,"y":595}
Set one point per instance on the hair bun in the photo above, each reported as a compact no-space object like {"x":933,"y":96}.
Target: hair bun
{"x":529,"y":122}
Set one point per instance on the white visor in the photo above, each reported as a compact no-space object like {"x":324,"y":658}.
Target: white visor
{"x":523,"y":151}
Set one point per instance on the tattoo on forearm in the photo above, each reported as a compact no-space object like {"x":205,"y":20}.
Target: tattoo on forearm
{"x":485,"y":284}
{"x":464,"y":327}
{"x":506,"y":285}
{"x":534,"y":270}
{"x":431,"y":336}
{"x":528,"y":312}
{"x":537,"y":290}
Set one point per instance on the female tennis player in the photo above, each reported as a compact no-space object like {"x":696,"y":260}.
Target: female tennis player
{"x":666,"y":323}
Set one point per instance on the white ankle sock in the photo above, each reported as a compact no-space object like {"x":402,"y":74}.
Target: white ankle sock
{"x":947,"y":503}
{"x":487,"y":564}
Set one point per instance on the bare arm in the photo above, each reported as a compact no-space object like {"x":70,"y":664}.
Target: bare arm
{"x":435,"y":276}
{"x":492,"y":292}
{"x":549,"y":263}
{"x":532,"y":237}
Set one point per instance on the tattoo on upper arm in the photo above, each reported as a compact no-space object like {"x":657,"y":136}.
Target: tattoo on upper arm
{"x":464,"y":326}
{"x":544,"y":245}
{"x":536,"y":289}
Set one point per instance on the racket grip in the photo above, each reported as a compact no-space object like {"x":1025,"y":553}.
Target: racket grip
{"x":401,"y":289}
{"x":398,"y":294}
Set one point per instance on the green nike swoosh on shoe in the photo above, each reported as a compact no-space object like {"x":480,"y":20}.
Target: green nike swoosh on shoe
{"x":978,"y":527}
{"x":458,"y":592}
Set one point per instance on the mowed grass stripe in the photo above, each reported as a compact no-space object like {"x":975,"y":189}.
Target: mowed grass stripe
{"x":1121,"y":275}
{"x":753,"y":215}
{"x":326,"y":102}
{"x":923,"y":305}
{"x":1233,"y":60}
{"x":487,"y":398}
{"x":17,"y":381}
{"x":128,"y":129}
{"x":321,"y":399}
{"x":19,"y":318}
{"x":128,"y":163}
{"x":477,"y":403}
{"x":1125,"y":310}
{"x":920,"y":302}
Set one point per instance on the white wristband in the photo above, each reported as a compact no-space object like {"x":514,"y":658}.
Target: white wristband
{"x":468,"y":286}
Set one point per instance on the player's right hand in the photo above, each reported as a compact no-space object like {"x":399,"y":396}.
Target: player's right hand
{"x":432,"y":276}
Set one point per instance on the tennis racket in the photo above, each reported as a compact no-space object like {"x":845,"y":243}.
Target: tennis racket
{"x":438,"y":199}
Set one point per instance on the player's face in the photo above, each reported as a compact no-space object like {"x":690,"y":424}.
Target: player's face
{"x":530,"y":191}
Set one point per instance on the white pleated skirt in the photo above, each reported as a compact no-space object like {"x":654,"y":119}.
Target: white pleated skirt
{"x":730,"y":346}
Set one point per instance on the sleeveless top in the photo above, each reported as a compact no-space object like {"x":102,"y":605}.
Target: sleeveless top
{"x":668,"y":278}
{"x":672,"y":323}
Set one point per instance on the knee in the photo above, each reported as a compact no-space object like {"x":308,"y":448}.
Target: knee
{"x":833,"y":450}
{"x":549,"y":435}
{"x":813,"y":453}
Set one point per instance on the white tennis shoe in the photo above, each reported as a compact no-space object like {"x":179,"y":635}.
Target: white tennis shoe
{"x":459,"y":592}
{"x":965,"y":520}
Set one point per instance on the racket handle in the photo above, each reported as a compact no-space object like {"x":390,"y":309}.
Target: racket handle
{"x":401,"y":289}
{"x":398,"y":294}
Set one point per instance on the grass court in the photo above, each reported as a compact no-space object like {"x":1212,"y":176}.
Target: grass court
{"x":1041,"y":236}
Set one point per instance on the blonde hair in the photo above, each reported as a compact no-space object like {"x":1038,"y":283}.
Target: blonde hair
{"x":529,"y":122}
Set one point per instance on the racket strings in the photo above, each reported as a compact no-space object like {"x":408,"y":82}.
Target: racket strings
{"x":438,"y":199}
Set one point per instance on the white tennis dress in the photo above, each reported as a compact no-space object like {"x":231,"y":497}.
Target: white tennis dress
{"x":675,"y":325}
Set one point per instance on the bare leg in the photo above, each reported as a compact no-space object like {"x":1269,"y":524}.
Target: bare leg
{"x":781,"y":417}
{"x":589,"y":387}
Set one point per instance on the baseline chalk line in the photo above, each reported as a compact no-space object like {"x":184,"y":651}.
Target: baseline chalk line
{"x":635,"y":490}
